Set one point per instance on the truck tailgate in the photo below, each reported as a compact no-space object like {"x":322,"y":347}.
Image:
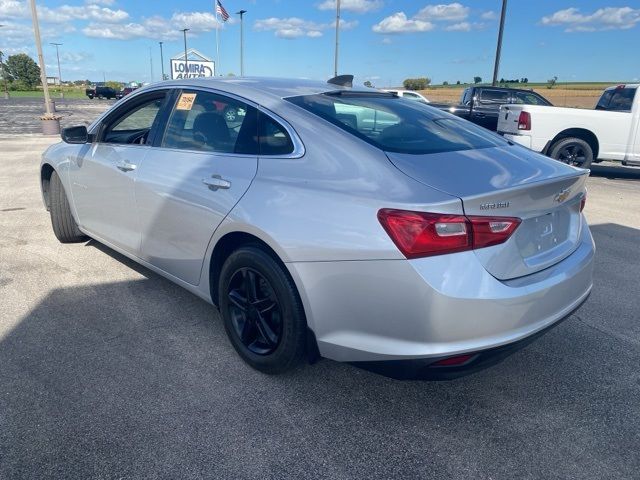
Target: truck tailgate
{"x":508,"y":118}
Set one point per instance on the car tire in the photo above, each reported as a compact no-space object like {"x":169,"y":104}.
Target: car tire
{"x":90,"y":97}
{"x":572,"y":151}
{"x":261,"y":310}
{"x":64,"y":225}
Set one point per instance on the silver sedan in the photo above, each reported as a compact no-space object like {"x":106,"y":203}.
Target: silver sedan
{"x":327,"y":220}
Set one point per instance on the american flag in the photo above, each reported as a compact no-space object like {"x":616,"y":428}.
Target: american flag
{"x":221,"y":11}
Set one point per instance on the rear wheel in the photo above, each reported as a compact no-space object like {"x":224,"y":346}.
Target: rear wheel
{"x":261,"y":310}
{"x":230,"y":114}
{"x":64,"y":225}
{"x":572,"y":151}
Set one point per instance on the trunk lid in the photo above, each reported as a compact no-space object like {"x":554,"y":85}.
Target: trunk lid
{"x":510,"y":181}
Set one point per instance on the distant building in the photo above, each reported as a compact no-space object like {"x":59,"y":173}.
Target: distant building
{"x":53,"y":81}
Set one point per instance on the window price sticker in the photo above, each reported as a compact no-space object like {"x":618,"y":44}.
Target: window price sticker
{"x":186,"y":101}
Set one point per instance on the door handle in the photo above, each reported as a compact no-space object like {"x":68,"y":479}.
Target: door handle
{"x":216,"y":182}
{"x":126,"y":166}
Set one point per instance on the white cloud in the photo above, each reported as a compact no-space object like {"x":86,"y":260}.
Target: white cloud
{"x":295,"y":27}
{"x":156,"y":27}
{"x":452,"y":12}
{"x":18,"y":9}
{"x":196,"y":21}
{"x":459,"y":27}
{"x":609,"y":18}
{"x":356,"y":6}
{"x":106,"y":3}
{"x":489,"y":15}
{"x":464,"y":26}
{"x":399,"y":23}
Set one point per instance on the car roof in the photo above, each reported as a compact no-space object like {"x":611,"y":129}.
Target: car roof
{"x":260,"y":88}
{"x":623,"y":85}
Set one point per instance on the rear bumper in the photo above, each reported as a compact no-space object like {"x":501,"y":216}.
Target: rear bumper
{"x":427,"y":369}
{"x":436,"y":307}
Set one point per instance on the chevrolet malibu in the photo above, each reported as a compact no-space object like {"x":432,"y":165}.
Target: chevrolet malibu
{"x":330,"y":220}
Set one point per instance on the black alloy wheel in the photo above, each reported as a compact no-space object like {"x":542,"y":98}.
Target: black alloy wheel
{"x":262,"y":310}
{"x":573,"y":151}
{"x":573,"y":155}
{"x":255,"y":311}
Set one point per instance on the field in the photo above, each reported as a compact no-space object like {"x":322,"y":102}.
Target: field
{"x":578,"y":95}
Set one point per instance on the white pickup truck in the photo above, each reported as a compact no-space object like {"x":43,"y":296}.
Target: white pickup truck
{"x":579,"y":136}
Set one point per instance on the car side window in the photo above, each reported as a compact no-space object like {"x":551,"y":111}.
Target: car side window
{"x":273,"y":137}
{"x":209,"y":122}
{"x":494,"y":96}
{"x":134,"y":125}
{"x":527,"y":99}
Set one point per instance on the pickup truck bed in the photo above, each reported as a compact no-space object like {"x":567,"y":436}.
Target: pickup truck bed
{"x":579,"y":136}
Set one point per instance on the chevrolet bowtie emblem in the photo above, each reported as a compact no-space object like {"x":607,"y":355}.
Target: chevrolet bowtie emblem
{"x":562,"y":195}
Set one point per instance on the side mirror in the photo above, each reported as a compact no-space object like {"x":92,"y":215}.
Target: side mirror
{"x":75,"y":135}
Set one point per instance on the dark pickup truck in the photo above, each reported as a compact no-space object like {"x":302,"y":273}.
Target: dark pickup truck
{"x":481,"y":105}
{"x":101,"y":92}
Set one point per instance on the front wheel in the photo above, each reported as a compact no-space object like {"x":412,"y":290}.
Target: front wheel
{"x":64,"y":225}
{"x":572,"y":151}
{"x":262,"y":313}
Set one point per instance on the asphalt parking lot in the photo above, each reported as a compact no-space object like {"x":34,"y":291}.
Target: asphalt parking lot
{"x":20,"y":115}
{"x":109,"y":371}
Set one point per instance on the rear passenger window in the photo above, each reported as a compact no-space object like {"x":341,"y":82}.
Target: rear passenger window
{"x":209,"y":122}
{"x":527,"y":98}
{"x":494,"y":96}
{"x":619,"y":99}
{"x":273,"y":138}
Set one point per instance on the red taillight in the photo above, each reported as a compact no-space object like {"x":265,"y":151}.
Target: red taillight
{"x":488,"y":231}
{"x":524,"y":121}
{"x":583,"y":202}
{"x":453,"y":361}
{"x":422,"y":234}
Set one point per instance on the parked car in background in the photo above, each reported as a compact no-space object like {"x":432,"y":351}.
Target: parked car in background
{"x":125,"y":91}
{"x":417,"y":246}
{"x":481,"y":105}
{"x":100,"y":92}
{"x":580,"y":136}
{"x":409,"y":95}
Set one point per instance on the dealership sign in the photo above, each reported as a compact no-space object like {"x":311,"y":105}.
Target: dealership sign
{"x":197,"y":65}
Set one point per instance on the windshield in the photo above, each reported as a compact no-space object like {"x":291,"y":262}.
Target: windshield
{"x":397,"y":125}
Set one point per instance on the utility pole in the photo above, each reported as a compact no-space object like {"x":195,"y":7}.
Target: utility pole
{"x":499,"y":47}
{"x":43,"y":73}
{"x":241,"y":13}
{"x":186,"y":62}
{"x":335,"y":66}
{"x":161,"y":61}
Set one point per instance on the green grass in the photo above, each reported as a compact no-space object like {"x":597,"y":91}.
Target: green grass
{"x":54,"y":94}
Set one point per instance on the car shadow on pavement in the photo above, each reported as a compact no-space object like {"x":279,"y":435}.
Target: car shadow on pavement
{"x":136,"y":379}
{"x":615,"y":172}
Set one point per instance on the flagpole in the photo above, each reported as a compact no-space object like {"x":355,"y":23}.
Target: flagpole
{"x":217,"y":42}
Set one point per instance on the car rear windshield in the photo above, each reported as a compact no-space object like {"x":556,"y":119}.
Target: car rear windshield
{"x":617,"y":99}
{"x":397,"y":125}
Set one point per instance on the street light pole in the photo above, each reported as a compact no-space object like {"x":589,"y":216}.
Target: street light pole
{"x":43,"y":73}
{"x":496,"y":67}
{"x":161,"y":60}
{"x":241,"y":13}
{"x":186,"y":64}
{"x":335,"y":65}
{"x":58,"y":57}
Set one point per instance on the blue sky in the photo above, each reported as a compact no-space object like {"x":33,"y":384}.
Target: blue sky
{"x":384,"y":41}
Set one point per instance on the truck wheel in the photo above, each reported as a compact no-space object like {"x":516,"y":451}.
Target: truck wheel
{"x":572,"y":151}
{"x":90,"y":97}
{"x":64,"y":225}
{"x":230,"y":114}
